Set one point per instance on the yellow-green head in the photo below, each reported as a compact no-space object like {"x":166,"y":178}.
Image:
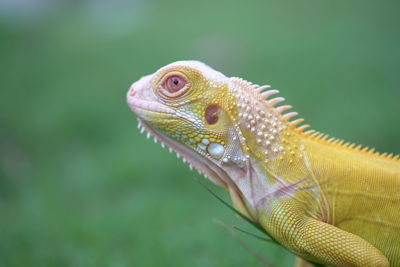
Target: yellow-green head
{"x":188,"y":103}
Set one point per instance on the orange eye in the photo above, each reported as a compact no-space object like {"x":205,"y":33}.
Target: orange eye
{"x":174,"y":86}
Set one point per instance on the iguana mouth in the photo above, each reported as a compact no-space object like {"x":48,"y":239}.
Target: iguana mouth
{"x":138,"y":105}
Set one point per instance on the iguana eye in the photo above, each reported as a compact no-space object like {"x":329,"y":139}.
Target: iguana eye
{"x":174,"y":85}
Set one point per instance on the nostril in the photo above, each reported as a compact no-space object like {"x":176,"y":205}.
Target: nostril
{"x":132,"y":91}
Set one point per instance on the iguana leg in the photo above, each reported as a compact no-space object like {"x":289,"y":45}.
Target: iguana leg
{"x":299,"y":262}
{"x":321,"y":242}
{"x":331,"y":245}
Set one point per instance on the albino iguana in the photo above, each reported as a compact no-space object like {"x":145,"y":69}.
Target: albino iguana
{"x":326,"y":201}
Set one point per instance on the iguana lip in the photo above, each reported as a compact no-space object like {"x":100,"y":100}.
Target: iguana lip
{"x":137,"y":105}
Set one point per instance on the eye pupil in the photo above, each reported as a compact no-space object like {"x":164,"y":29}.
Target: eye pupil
{"x":174,"y":84}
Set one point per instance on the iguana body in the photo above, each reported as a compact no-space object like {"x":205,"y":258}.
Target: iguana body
{"x":326,"y":201}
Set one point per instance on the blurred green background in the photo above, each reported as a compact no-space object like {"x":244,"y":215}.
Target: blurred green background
{"x":79,"y":186}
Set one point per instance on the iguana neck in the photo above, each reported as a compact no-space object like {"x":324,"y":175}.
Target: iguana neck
{"x":271,"y":145}
{"x":265,"y":133}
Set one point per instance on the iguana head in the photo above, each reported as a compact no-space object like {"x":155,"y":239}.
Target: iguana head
{"x":218,"y":124}
{"x":187,"y":106}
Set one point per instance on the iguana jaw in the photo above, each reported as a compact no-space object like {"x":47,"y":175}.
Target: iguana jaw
{"x":203,"y":165}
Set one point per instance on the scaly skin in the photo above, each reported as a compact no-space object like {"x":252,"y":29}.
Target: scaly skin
{"x":326,"y":201}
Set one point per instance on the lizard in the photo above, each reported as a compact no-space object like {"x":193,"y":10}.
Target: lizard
{"x":327,"y":201}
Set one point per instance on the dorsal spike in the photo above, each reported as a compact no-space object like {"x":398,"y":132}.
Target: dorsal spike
{"x":309,"y":132}
{"x":296,"y":122}
{"x":283,"y":108}
{"x":336,"y":141}
{"x":340,"y":142}
{"x":276,"y":100}
{"x":289,"y":115}
{"x":242,"y":82}
{"x":262,"y":88}
{"x":303,"y":127}
{"x":351,"y":145}
{"x":324,"y":137}
{"x":268,"y":93}
{"x":315,"y":133}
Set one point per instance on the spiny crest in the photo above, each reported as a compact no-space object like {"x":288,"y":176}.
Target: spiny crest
{"x":264,"y":93}
{"x":324,"y":138}
{"x":295,"y":124}
{"x":260,"y":121}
